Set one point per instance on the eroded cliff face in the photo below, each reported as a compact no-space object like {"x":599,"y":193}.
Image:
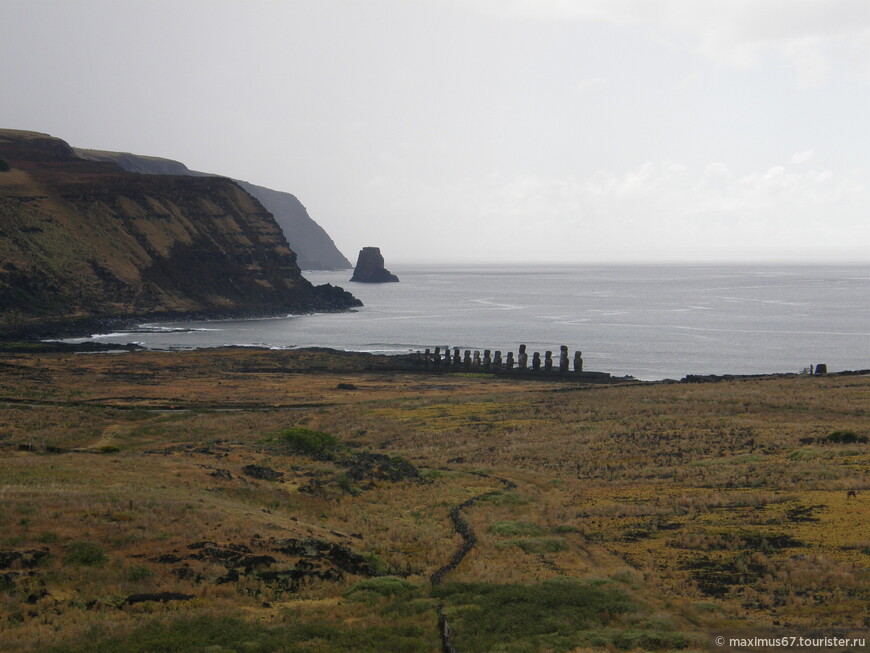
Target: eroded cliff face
{"x":86,"y":239}
{"x":315,"y":249}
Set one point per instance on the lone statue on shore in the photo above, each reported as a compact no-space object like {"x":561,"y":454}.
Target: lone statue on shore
{"x":370,"y":267}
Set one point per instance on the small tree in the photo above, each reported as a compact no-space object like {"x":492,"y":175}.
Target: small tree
{"x":4,"y":167}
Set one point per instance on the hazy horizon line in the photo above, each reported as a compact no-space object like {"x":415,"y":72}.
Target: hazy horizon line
{"x":829,"y":262}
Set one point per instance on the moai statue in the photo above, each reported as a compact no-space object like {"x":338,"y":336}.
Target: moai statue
{"x":476,"y":362}
{"x":466,"y":362}
{"x":446,"y":359}
{"x":536,"y":361}
{"x":563,"y":359}
{"x":457,"y":359}
{"x":578,"y":361}
{"x":496,"y":361}
{"x":436,"y":358}
{"x":509,"y":363}
{"x":548,"y":361}
{"x":523,"y":358}
{"x":426,"y":357}
{"x":487,"y":359}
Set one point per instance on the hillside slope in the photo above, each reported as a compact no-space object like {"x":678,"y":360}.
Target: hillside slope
{"x":82,"y":239}
{"x":314,"y":248}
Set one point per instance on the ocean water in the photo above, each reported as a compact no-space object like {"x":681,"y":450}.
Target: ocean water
{"x":651,"y":322}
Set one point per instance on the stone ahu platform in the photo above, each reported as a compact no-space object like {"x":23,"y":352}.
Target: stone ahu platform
{"x":443,"y":360}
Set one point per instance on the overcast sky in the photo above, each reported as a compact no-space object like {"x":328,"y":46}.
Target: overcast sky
{"x":484,"y":130}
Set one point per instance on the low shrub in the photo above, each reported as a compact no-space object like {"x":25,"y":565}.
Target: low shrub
{"x":845,"y":437}
{"x":137,"y":573}
{"x":83,"y":554}
{"x":308,"y":442}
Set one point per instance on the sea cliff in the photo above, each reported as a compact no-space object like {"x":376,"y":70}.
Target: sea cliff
{"x":315,"y":249}
{"x":84,"y":239}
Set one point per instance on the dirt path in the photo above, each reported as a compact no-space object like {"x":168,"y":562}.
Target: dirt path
{"x":106,"y":438}
{"x":469,"y":539}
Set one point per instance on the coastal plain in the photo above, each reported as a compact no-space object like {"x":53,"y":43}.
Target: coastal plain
{"x":309,"y":500}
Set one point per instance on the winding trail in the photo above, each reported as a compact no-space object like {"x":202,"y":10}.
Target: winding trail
{"x":469,"y":539}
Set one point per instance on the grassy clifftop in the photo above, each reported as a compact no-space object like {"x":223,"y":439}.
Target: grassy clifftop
{"x":85,"y":239}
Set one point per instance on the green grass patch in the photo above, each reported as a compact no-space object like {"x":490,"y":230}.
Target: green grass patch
{"x":803,"y":454}
{"x":507,"y":498}
{"x":509,"y":527}
{"x":650,"y":640}
{"x":739,"y":459}
{"x":230,"y":634}
{"x":138,"y":573}
{"x":537,"y":544}
{"x":83,"y":554}
{"x":308,"y":442}
{"x":382,"y":587}
{"x":557,"y":615}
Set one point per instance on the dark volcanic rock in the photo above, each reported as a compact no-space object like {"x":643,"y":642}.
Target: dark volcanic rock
{"x":296,"y":562}
{"x":166,"y":559}
{"x":160,"y":597}
{"x":370,"y":267}
{"x":379,"y":467}
{"x":25,"y":559}
{"x":328,"y":552}
{"x":262,"y":472}
{"x":186,"y":573}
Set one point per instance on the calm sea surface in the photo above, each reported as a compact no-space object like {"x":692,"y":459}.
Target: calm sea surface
{"x":651,"y":322}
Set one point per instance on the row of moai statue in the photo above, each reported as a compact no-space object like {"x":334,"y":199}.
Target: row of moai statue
{"x":490,"y":362}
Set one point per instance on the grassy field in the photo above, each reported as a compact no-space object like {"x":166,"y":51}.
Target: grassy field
{"x":242,"y":500}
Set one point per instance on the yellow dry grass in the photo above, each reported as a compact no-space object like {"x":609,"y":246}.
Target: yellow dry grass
{"x":714,"y":504}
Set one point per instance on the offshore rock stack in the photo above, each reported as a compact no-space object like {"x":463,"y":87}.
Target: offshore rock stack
{"x":444,"y":359}
{"x":370,"y":267}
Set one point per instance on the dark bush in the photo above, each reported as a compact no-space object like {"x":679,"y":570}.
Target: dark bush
{"x":83,"y":554}
{"x":846,"y":437}
{"x":308,"y":441}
